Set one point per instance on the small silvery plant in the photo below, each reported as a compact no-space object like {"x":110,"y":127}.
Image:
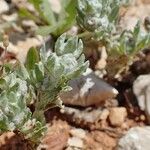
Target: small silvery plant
{"x":38,"y":82}
{"x":99,"y":20}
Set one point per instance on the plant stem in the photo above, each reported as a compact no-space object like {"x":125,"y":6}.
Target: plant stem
{"x":85,"y":34}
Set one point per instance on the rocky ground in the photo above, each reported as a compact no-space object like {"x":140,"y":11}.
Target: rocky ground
{"x":98,"y":114}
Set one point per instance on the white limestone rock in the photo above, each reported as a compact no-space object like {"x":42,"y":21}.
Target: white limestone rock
{"x":141,"y":88}
{"x":137,"y":138}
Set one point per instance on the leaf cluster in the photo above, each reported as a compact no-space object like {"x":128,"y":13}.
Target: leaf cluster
{"x":98,"y":16}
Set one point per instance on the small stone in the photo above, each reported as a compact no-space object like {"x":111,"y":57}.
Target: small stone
{"x":57,"y":136}
{"x":101,"y":64}
{"x":28,"y":23}
{"x":117,"y":116}
{"x":141,"y":88}
{"x":125,"y":126}
{"x":80,"y":133}
{"x":142,"y":117}
{"x":4,"y":6}
{"x":75,"y":142}
{"x":10,"y":18}
{"x":88,"y":115}
{"x":104,"y":114}
{"x":137,"y":138}
{"x":88,"y":90}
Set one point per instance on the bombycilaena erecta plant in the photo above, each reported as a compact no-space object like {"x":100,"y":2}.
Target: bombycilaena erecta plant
{"x":38,"y":82}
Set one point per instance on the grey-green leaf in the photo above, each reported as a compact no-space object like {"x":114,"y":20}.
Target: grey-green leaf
{"x":32,"y":58}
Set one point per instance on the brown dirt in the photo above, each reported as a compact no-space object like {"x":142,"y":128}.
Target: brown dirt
{"x":100,"y":134}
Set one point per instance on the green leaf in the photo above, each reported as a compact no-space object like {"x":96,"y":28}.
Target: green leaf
{"x":67,"y":16}
{"x":144,"y":43}
{"x":2,"y":84}
{"x":114,"y":13}
{"x":44,"y":9}
{"x":66,"y":46}
{"x":78,"y":71}
{"x":22,"y":72}
{"x":136,"y":32}
{"x":60,"y":44}
{"x":24,"y":13}
{"x":47,"y":12}
{"x":32,"y":58}
{"x":36,"y":4}
{"x":39,"y":71}
{"x":43,"y":54}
